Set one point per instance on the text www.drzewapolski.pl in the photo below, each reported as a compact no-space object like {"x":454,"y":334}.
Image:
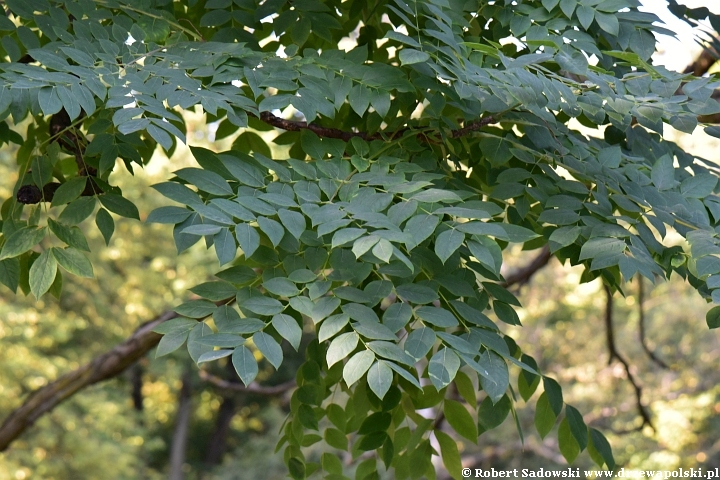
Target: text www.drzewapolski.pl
{"x":577,"y":473}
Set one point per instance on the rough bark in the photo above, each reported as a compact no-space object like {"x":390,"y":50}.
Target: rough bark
{"x":107,"y":365}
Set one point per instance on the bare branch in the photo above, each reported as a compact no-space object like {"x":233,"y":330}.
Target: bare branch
{"x":107,"y":365}
{"x":523,"y":275}
{"x":254,"y":388}
{"x":641,"y":324}
{"x":615,"y":355}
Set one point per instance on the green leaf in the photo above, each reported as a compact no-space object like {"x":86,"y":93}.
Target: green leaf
{"x":460,"y":420}
{"x":171,"y":342}
{"x":599,"y":449}
{"x":609,"y":23}
{"x":713,"y":318}
{"x":380,"y":378}
{"x":364,"y":244}
{"x":436,"y":316}
{"x":577,"y":426}
{"x":288,"y":328}
{"x":213,"y":355}
{"x":490,"y":414}
{"x":119,"y":205}
{"x":346,"y":235}
{"x":332,"y":325}
{"x":205,"y":180}
{"x":390,"y":351}
{"x":663,"y":173}
{"x":263,"y":305}
{"x":223,"y":340}
{"x":447,"y":243}
{"x":269,"y":347}
{"x":294,"y":222}
{"x":566,"y":442}
{"x":544,"y":416}
{"x":21,"y":241}
{"x":10,"y":273}
{"x":73,"y":261}
{"x":397,"y":316}
{"x":168,"y":215}
{"x":245,"y":364}
{"x":419,"y":342}
{"x":196,"y":308}
{"x":383,"y":250}
{"x":69,"y":191}
{"x":450,"y":454}
{"x":356,"y":367}
{"x":497,"y":371}
{"x":413,"y":293}
{"x":408,"y":56}
{"x":281,"y":286}
{"x":341,"y":347}
{"x":175,"y":325}
{"x":105,"y":224}
{"x":248,"y":238}
{"x":42,"y":273}
{"x":554,"y":394}
{"x":70,"y":235}
{"x":272,"y":229}
{"x":585,"y":15}
{"x":443,"y":367}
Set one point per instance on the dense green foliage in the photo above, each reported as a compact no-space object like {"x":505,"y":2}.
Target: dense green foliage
{"x":433,"y":147}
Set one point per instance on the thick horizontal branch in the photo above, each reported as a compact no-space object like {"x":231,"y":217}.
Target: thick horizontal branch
{"x":328,"y":132}
{"x":107,"y":365}
{"x":254,"y":388}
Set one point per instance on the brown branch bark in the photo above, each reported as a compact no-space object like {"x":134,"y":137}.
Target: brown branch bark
{"x":106,"y":366}
{"x":182,"y":427}
{"x":702,"y":64}
{"x":218,"y":440}
{"x":614,"y":354}
{"x":641,"y":325}
{"x":254,"y":388}
{"x":524,"y":274}
{"x":328,"y":132}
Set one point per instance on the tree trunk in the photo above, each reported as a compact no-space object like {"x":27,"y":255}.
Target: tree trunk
{"x":182,"y":425}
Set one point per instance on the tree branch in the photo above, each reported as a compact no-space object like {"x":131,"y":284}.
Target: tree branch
{"x":523,"y":275}
{"x":641,"y":325}
{"x":106,"y":366}
{"x":328,"y":132}
{"x":254,"y":388}
{"x":615,"y":355}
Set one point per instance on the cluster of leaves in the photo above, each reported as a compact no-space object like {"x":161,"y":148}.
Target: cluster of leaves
{"x":432,"y":147}
{"x":383,"y":255}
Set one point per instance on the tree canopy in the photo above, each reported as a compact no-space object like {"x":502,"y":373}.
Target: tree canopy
{"x":420,"y":140}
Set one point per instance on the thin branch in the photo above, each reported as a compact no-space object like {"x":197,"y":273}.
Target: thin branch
{"x":107,"y":365}
{"x":254,"y":388}
{"x":641,"y":325}
{"x":524,"y":274}
{"x":329,"y":132}
{"x":613,"y":354}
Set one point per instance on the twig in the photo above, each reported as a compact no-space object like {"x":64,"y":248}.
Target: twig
{"x":254,"y":388}
{"x":641,"y":325}
{"x":615,"y":355}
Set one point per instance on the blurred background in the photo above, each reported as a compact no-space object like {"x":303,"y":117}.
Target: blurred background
{"x":124,"y":428}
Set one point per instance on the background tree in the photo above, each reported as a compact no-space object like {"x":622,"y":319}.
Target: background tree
{"x":418,"y":153}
